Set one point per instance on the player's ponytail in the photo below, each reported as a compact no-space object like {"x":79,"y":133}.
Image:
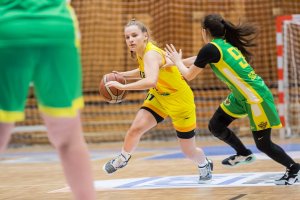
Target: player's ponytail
{"x":240,"y":36}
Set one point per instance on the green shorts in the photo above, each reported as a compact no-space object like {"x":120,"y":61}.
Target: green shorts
{"x":262,"y":115}
{"x":39,"y":47}
{"x":55,"y":73}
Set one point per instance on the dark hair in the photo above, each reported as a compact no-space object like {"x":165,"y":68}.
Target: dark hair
{"x":240,"y":36}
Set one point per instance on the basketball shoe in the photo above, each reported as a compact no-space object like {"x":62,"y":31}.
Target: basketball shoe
{"x":291,"y":175}
{"x":235,"y":160}
{"x":206,"y":172}
{"x":114,"y":164}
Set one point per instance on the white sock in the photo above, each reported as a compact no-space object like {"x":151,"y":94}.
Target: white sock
{"x":203,"y":164}
{"x":125,"y":154}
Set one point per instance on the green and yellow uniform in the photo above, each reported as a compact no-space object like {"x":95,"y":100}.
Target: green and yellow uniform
{"x":39,"y":45}
{"x":249,"y":94}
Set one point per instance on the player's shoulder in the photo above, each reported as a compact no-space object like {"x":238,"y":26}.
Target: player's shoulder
{"x":209,"y":49}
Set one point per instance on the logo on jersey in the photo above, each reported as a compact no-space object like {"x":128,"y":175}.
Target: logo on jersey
{"x":262,"y":125}
{"x":252,"y":75}
{"x":227,"y":102}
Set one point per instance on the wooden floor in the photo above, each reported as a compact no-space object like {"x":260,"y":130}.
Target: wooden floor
{"x":28,"y":173}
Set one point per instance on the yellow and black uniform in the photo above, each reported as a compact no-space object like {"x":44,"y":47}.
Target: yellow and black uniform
{"x":171,"y":97}
{"x":39,"y":44}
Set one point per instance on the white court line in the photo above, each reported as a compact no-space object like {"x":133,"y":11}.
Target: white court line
{"x":253,"y":179}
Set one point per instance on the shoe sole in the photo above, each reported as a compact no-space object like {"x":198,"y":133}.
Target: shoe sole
{"x":253,"y":158}
{"x":287,"y":183}
{"x":103,"y":168}
{"x":205,"y":182}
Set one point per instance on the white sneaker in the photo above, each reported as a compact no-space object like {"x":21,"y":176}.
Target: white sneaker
{"x":113,"y":165}
{"x":206,"y":172}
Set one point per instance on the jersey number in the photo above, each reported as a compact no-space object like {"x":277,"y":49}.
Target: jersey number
{"x":149,"y":97}
{"x":238,"y":56}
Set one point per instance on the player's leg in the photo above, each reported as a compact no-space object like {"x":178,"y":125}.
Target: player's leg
{"x":57,"y":81}
{"x":66,"y":136}
{"x":228,"y":111}
{"x":189,"y":148}
{"x":181,"y":109}
{"x":150,"y":114}
{"x":5,"y":134}
{"x":264,"y":143}
{"x":15,"y":77}
{"x":263,"y":117}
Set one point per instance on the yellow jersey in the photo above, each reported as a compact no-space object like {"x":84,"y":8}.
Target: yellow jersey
{"x":170,"y":79}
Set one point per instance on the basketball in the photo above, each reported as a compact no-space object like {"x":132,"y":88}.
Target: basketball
{"x":112,"y":94}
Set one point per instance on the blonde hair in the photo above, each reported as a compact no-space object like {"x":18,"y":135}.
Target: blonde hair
{"x":139,"y":24}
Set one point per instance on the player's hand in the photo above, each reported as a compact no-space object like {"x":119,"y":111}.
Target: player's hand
{"x":169,"y":63}
{"x":117,"y":72}
{"x":115,"y":84}
{"x":172,"y":54}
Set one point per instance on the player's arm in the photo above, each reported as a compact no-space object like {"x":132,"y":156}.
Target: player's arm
{"x":152,"y":62}
{"x":130,"y":74}
{"x":189,"y":61}
{"x":189,"y":73}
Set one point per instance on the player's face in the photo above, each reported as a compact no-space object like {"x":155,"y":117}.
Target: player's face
{"x":204,"y":35}
{"x":135,"y":38}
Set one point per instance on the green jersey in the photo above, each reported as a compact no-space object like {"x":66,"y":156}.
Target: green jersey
{"x":239,"y":76}
{"x":35,"y":22}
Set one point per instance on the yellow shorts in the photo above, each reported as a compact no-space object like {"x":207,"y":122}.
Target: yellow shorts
{"x":180,"y":106}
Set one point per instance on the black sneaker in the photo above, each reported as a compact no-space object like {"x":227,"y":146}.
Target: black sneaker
{"x":238,"y":160}
{"x":290,"y":177}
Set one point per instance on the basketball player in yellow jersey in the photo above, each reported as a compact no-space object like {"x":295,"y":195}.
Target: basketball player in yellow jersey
{"x":169,"y":95}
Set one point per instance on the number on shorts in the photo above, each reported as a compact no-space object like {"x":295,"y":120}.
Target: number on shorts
{"x":149,"y":97}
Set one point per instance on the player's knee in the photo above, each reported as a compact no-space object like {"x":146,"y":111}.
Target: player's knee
{"x":214,"y":128}
{"x":260,"y":146}
{"x":264,"y":145}
{"x":218,"y":130}
{"x":63,"y":132}
{"x":263,"y":141}
{"x":185,"y":135}
{"x":135,"y":131}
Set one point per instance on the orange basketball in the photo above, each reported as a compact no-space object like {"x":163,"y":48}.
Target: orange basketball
{"x":112,"y":94}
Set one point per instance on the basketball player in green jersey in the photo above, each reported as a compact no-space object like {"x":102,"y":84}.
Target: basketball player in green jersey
{"x":169,"y":95}
{"x":39,"y":44}
{"x":225,"y":51}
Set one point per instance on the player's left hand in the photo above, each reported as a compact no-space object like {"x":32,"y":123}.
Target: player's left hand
{"x":172,"y":53}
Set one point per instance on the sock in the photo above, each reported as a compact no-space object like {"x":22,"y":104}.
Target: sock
{"x":125,"y":154}
{"x":203,"y":164}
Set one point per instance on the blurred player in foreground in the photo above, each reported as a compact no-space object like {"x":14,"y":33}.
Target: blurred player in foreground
{"x":39,"y":44}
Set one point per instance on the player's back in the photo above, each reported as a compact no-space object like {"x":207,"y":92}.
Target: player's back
{"x":36,"y":22}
